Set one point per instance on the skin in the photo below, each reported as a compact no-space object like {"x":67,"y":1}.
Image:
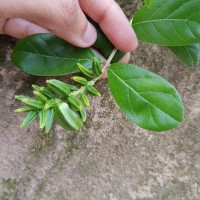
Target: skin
{"x":66,"y":19}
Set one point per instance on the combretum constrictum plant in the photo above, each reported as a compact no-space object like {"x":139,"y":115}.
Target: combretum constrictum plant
{"x":144,"y":97}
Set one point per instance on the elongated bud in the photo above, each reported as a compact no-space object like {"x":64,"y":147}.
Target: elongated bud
{"x":59,"y":88}
{"x":85,"y":71}
{"x":29,"y":119}
{"x":51,"y":103}
{"x":36,"y":87}
{"x":96,"y":66}
{"x":49,"y":121}
{"x":20,"y":97}
{"x":24,"y":109}
{"x":83,"y":114}
{"x":40,"y":96}
{"x":58,"y":118}
{"x":85,"y":99}
{"x":81,"y":80}
{"x":72,"y":87}
{"x":67,"y":118}
{"x":43,"y":118}
{"x":46,"y":92}
{"x":74,"y":101}
{"x":93,"y":91}
{"x":30,"y":102}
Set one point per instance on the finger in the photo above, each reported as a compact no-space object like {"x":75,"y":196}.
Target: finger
{"x":63,"y":18}
{"x":112,"y":21}
{"x":2,"y":22}
{"x":20,"y":28}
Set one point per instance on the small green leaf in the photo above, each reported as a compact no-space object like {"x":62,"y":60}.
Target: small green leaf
{"x":189,"y":54}
{"x":48,"y":55}
{"x":168,"y":23}
{"x":146,"y":98}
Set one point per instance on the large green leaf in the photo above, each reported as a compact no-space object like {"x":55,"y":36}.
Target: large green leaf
{"x":189,"y":54}
{"x":48,"y":55}
{"x":146,"y":98}
{"x":169,"y":22}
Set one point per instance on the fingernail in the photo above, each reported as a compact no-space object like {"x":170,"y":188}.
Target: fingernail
{"x":90,"y":35}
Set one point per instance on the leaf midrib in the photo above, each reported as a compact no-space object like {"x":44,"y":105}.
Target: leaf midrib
{"x":42,"y":55}
{"x":157,"y":20}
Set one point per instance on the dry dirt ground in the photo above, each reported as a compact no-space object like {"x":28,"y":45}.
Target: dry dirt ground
{"x":110,"y":158}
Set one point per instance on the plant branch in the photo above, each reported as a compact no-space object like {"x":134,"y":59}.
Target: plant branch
{"x":107,"y":64}
{"x":94,"y":80}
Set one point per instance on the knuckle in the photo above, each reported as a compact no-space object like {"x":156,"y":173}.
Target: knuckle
{"x":70,"y":12}
{"x":2,"y":24}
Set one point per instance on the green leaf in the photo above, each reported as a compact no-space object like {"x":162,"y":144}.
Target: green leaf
{"x":146,"y":98}
{"x":168,"y":23}
{"x":48,"y":55}
{"x":189,"y":54}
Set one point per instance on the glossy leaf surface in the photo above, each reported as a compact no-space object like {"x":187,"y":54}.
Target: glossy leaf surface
{"x":48,"y":55}
{"x":146,"y":98}
{"x":168,"y":23}
{"x":189,"y":54}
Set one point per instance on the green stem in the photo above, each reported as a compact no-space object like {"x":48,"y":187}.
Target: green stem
{"x":93,"y":81}
{"x":79,"y":91}
{"x":107,"y":64}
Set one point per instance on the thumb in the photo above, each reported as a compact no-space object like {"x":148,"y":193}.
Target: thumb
{"x":63,"y":18}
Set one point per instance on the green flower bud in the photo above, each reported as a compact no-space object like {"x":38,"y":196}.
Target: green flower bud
{"x":88,"y":73}
{"x":91,"y":90}
{"x":96,"y":66}
{"x":29,"y":119}
{"x":59,"y":88}
{"x":85,"y":99}
{"x":67,"y":118}
{"x":80,"y":80}
{"x":74,"y":101}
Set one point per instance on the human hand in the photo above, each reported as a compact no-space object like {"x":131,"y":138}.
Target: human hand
{"x":65,"y":18}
